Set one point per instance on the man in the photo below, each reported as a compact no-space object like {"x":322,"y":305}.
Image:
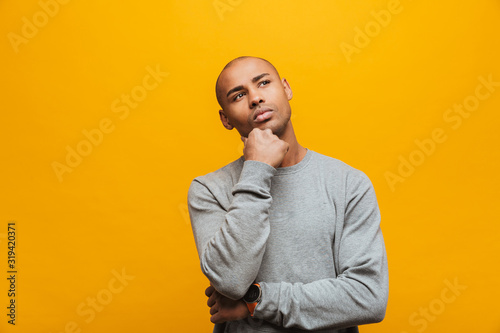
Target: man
{"x":289,"y":239}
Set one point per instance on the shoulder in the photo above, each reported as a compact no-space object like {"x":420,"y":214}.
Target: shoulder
{"x":225,"y":174}
{"x":345,"y":180}
{"x":218,"y":182}
{"x":356,"y":189}
{"x":339,"y":168}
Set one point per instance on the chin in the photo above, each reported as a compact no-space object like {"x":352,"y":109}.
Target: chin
{"x":278,"y":129}
{"x":264,"y":126}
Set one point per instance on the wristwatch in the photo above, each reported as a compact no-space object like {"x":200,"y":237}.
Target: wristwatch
{"x":252,"y":297}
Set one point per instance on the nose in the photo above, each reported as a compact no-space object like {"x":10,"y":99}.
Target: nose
{"x":255,"y":98}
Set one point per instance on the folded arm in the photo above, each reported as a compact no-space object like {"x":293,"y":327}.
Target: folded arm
{"x":358,"y":295}
{"x":231,"y":242}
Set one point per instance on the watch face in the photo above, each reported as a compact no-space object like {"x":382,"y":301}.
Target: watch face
{"x":252,"y":294}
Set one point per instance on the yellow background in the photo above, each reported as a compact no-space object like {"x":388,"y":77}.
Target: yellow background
{"x":123,"y":207}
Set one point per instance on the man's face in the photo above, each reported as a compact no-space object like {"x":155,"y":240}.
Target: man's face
{"x":253,"y":96}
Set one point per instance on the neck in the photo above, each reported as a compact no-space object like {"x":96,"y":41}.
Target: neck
{"x":295,"y":152}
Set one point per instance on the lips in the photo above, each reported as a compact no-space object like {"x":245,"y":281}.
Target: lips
{"x":262,"y":114}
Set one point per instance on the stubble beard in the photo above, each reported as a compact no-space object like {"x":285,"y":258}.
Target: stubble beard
{"x":279,"y":131}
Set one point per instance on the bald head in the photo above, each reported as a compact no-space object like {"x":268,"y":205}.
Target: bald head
{"x":218,"y":92}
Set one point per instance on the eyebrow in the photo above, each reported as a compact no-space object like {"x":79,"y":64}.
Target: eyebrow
{"x":240,"y":87}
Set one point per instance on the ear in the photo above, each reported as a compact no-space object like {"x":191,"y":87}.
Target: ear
{"x":224,"y":120}
{"x":287,"y":88}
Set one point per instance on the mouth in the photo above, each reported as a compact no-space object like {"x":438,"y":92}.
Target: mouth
{"x":262,"y":114}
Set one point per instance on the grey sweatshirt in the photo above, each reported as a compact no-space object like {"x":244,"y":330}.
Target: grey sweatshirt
{"x":309,"y":234}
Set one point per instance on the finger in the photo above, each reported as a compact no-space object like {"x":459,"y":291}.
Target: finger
{"x":212,"y":299}
{"x":209,"y":291}
{"x":214,"y":309}
{"x":254,"y":131}
{"x":216,"y":318}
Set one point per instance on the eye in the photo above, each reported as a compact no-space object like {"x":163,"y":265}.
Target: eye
{"x":265,"y":82}
{"x":238,"y":96}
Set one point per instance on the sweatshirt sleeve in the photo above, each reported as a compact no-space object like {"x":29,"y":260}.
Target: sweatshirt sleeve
{"x":232,"y":242}
{"x":359,"y":293}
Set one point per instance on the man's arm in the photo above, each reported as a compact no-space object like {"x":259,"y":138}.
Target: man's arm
{"x":359,"y":293}
{"x":231,"y":243}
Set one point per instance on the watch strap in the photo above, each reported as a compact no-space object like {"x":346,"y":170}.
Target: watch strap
{"x":251,"y":308}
